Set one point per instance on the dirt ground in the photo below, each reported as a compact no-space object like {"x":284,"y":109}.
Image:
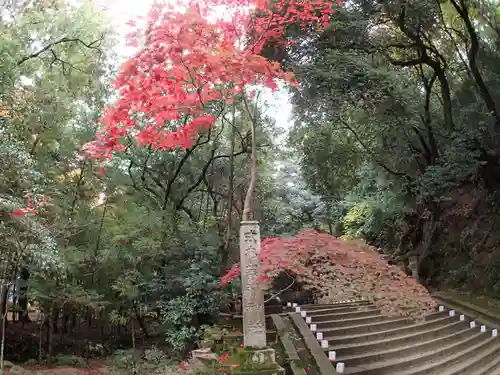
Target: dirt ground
{"x":95,"y":368}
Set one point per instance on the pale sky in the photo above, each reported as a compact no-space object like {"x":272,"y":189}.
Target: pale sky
{"x":122,"y":11}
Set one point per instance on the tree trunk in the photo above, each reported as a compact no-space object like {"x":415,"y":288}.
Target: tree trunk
{"x":54,"y":318}
{"x":2,"y":349}
{"x":230,"y":195}
{"x":140,"y":320}
{"x":50,"y":335}
{"x":23,"y":295}
{"x":4,"y":299}
{"x":40,"y":341}
{"x":462,"y":9}
{"x":74,"y":316}
{"x":247,"y":206}
{"x":65,"y":327}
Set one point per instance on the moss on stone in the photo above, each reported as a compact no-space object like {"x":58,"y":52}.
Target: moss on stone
{"x":232,"y":341}
{"x":297,"y":367}
{"x":275,"y":370}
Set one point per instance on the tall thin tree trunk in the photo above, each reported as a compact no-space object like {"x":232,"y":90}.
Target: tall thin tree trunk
{"x":40,"y":340}
{"x":50,"y":335}
{"x":2,"y":349}
{"x":230,"y":194}
{"x":140,"y":320}
{"x":22,"y":293}
{"x":205,"y":217}
{"x":5,"y":299}
{"x":65,"y":327}
{"x":91,"y":310}
{"x":247,"y":206}
{"x":202,"y":202}
{"x":55,"y":317}
{"x":133,"y":347}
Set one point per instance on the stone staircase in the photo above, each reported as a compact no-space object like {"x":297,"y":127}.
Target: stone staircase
{"x":358,"y":339}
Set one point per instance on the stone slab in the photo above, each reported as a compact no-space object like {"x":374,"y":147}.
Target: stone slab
{"x":285,"y":338}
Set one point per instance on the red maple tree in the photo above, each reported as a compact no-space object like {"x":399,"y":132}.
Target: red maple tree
{"x":339,"y":269}
{"x":193,"y":58}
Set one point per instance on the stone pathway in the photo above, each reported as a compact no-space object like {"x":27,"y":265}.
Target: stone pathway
{"x":359,"y":340}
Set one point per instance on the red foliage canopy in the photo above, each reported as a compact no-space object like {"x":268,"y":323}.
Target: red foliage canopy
{"x":340,"y":270}
{"x":193,"y":58}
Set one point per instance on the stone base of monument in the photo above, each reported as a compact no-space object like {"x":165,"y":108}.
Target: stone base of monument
{"x":232,"y":340}
{"x":275,"y":370}
{"x":257,"y":362}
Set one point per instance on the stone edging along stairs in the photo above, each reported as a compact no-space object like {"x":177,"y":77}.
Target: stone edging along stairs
{"x":357,"y":339}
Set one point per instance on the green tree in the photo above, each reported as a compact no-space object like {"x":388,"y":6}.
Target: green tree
{"x":408,"y":91}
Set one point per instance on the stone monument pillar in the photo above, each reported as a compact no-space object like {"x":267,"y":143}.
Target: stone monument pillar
{"x":255,"y":358}
{"x":254,"y":321}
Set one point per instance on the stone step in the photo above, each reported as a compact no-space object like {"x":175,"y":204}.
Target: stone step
{"x":333,"y":306}
{"x":339,"y":310}
{"x":398,"y":366}
{"x":381,"y":354}
{"x":341,"y":323}
{"x":474,"y":365}
{"x":448,"y":358}
{"x":370,"y":343}
{"x":436,"y":315}
{"x":333,"y":333}
{"x":494,"y":369}
{"x":397,"y":341}
{"x":343,"y":315}
{"x":361,"y":337}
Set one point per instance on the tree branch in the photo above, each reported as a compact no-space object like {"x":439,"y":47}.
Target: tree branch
{"x":365,"y":147}
{"x":93,"y":45}
{"x":472,"y":53}
{"x":436,"y":65}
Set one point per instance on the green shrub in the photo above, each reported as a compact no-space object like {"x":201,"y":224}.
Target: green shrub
{"x":151,"y":361}
{"x":70,"y":360}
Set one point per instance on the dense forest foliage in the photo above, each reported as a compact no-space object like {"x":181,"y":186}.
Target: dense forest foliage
{"x":394,"y":141}
{"x":397,"y":128}
{"x":143,"y":237}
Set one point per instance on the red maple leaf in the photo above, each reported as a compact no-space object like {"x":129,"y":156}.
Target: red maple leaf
{"x":18,"y":212}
